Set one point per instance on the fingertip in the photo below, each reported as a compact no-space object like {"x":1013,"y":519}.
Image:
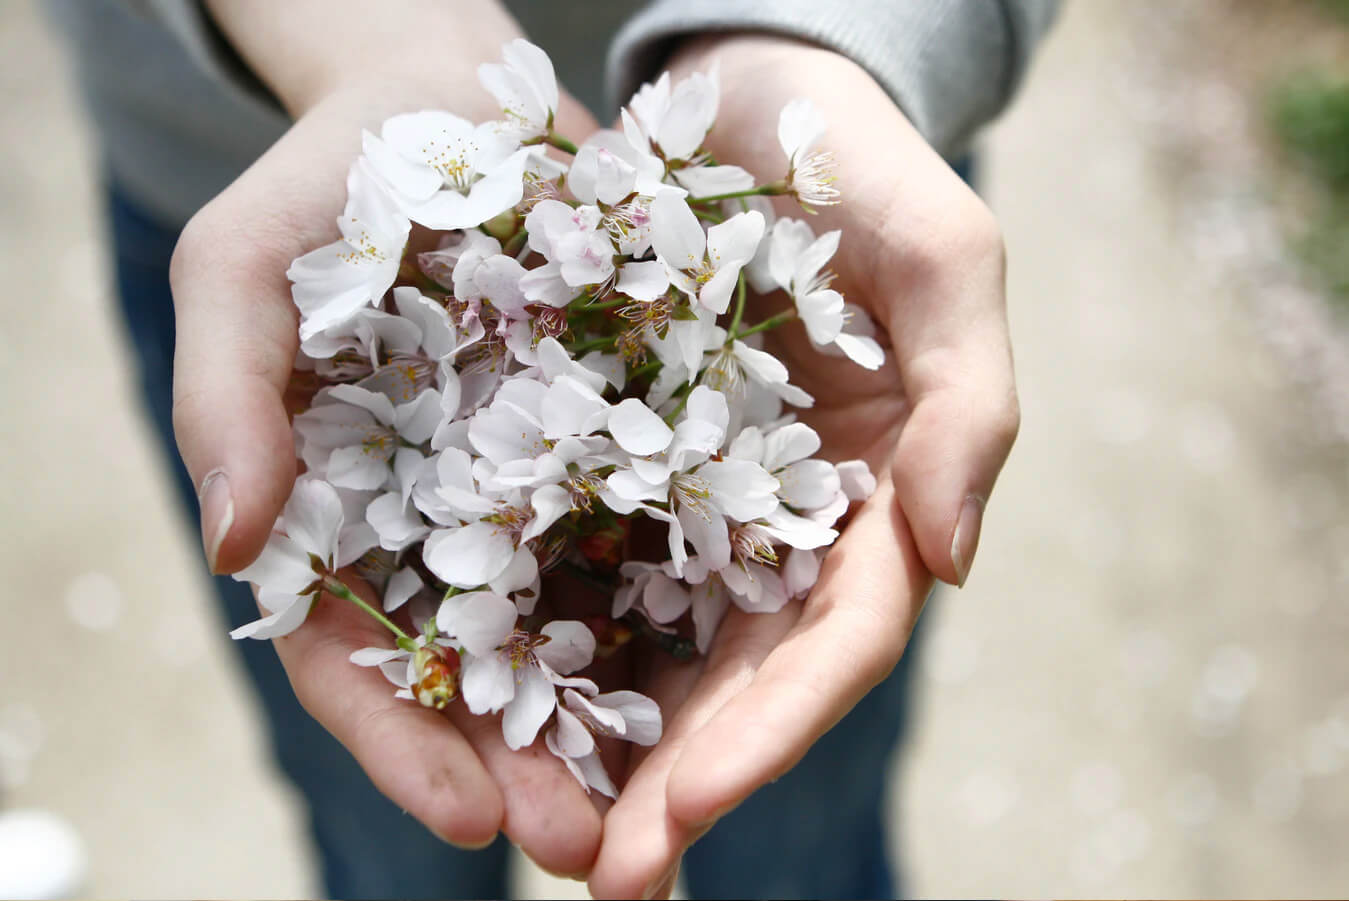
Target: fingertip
{"x":248,"y":453}
{"x":469,"y":818}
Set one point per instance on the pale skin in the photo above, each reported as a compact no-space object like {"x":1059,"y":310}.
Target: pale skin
{"x":920,"y":252}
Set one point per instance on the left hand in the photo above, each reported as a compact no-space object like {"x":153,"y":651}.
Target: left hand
{"x":924,"y":257}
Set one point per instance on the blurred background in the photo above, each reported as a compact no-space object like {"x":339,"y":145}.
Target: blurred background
{"x":1143,"y":689}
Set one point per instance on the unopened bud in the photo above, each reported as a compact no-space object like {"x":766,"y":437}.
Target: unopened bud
{"x":437,"y":677}
{"x":610,"y":634}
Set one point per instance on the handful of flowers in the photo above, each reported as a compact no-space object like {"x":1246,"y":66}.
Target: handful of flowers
{"x":555,"y":363}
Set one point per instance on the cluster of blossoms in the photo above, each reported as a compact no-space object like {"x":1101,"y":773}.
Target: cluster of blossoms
{"x":554,"y":360}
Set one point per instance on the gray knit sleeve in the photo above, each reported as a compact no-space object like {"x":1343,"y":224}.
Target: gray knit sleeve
{"x":950,"y":65}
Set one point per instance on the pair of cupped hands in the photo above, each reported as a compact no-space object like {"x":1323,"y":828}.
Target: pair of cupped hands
{"x":920,"y":253}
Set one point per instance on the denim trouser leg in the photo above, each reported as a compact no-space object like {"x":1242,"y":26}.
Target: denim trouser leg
{"x":816,"y":832}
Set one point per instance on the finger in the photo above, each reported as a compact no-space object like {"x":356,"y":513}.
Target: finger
{"x":853,"y":629}
{"x":954,"y":353}
{"x":237,"y":336}
{"x":643,"y":842}
{"x":547,"y":814}
{"x":412,"y":754}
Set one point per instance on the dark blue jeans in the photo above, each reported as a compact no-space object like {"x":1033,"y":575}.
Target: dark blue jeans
{"x":816,"y":832}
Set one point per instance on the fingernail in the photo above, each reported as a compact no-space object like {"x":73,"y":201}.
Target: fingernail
{"x":463,"y":846}
{"x":662,"y":887}
{"x":966,"y":539}
{"x":217,"y":513}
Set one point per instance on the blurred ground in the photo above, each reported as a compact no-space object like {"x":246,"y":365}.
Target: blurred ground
{"x":1143,"y":689}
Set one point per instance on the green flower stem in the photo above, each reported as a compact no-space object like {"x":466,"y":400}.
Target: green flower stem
{"x":593,"y":344}
{"x":621,"y":300}
{"x":679,"y":408}
{"x":645,"y":370}
{"x":334,"y":585}
{"x":771,"y":322}
{"x":561,"y":143}
{"x":739,"y":304}
{"x":709,"y":215}
{"x":768,"y":190}
{"x":516,"y":243}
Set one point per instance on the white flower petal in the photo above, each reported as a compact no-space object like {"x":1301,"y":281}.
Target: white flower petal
{"x":641,"y":715}
{"x":550,"y":503}
{"x":573,"y":738}
{"x":856,"y":480}
{"x":283,"y":622}
{"x":522,"y":573}
{"x":374,"y":656}
{"x":710,"y":181}
{"x":481,"y":622}
{"x":676,"y":235}
{"x":487,"y":683}
{"x":534,"y":701}
{"x":638,"y":429}
{"x":709,"y":606}
{"x":402,"y":586}
{"x":808,"y":484}
{"x":571,"y":646}
{"x":794,"y":441}
{"x":313,"y":517}
{"x":800,"y":125}
{"x":469,"y":556}
{"x":283,"y":566}
{"x":735,"y":240}
{"x":643,"y":281}
{"x":863,"y":351}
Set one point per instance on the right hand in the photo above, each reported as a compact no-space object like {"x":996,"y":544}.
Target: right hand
{"x":236,"y":342}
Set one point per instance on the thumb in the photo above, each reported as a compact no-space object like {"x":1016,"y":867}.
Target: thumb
{"x":236,"y":342}
{"x":964,"y":419}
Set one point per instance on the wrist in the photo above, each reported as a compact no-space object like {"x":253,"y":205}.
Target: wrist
{"x":306,"y":51}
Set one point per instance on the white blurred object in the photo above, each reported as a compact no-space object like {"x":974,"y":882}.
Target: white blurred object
{"x":41,"y":856}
